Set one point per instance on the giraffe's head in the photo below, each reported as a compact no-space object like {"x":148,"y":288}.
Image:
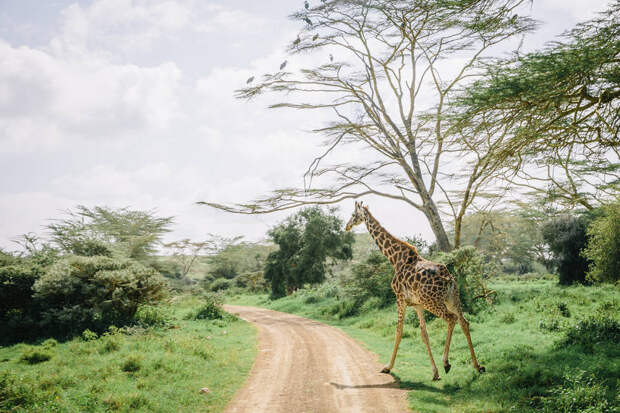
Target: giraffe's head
{"x":357,"y":217}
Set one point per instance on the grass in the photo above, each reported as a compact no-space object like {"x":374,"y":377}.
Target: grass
{"x":526,"y":343}
{"x":147,"y":370}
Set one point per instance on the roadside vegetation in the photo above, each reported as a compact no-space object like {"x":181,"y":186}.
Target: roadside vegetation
{"x":89,"y":324}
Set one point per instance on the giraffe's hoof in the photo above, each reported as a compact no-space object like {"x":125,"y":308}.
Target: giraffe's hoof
{"x":436,"y":377}
{"x":447,"y":367}
{"x":481,"y":369}
{"x":385,"y":370}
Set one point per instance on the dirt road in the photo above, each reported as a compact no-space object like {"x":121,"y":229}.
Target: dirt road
{"x":305,"y":366}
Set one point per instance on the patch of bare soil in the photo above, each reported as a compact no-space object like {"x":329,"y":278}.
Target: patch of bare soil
{"x":306,"y":366}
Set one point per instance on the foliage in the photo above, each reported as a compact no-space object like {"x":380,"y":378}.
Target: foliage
{"x":104,"y":231}
{"x":306,"y":240}
{"x":590,"y":333}
{"x":94,"y":292}
{"x":603,"y":249}
{"x":512,"y":238}
{"x":151,"y":316}
{"x":470,"y":270}
{"x":566,"y":237}
{"x":580,"y":392}
{"x":371,"y":279}
{"x":211,"y":308}
{"x":35,"y":355}
{"x":558,"y":108}
{"x":220,"y":284}
{"x":132,"y":363}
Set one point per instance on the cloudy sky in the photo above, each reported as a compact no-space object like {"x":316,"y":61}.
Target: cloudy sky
{"x":130,"y":103}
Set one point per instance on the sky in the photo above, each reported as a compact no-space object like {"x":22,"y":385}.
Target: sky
{"x":129,"y":103}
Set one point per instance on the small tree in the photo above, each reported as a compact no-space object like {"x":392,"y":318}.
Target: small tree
{"x":604,"y":245}
{"x":306,"y":240}
{"x":102,"y":231}
{"x":566,"y":237}
{"x":185,"y":253}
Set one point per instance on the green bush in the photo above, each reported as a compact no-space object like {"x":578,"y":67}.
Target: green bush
{"x":132,"y":363}
{"x":579,"y":393}
{"x":593,"y":332}
{"x":603,"y":249}
{"x":15,"y":392}
{"x":35,"y":355}
{"x":18,"y":310}
{"x":78,"y":293}
{"x":220,"y":284}
{"x":470,"y":270}
{"x":151,"y":316}
{"x":211,"y":309}
{"x":566,"y":237}
{"x":88,"y":335}
{"x":371,"y":279}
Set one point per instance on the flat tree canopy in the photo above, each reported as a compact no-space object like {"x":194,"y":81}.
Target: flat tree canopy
{"x":560,"y":107}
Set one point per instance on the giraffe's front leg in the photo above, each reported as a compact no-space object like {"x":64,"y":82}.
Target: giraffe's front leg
{"x":402,"y":307}
{"x":420,"y":311}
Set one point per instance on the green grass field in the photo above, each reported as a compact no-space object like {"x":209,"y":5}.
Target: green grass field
{"x":152,"y":370}
{"x":531,"y":366}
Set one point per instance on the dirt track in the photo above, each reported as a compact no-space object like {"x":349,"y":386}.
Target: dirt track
{"x":306,"y":366}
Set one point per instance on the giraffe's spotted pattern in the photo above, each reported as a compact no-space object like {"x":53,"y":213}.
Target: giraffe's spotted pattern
{"x":417,"y":282}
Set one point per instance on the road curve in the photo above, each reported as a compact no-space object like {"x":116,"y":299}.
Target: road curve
{"x":308,"y":367}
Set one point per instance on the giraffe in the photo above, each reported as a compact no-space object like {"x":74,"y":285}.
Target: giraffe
{"x":419,"y":283}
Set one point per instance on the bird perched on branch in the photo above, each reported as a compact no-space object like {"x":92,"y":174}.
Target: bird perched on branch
{"x":316,"y":36}
{"x":331,"y":57}
{"x":306,"y":5}
{"x":296,"y":42}
{"x":283,"y":65}
{"x":250,"y":79}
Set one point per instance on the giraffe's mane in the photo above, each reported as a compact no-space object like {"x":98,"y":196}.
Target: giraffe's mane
{"x":405,"y":243}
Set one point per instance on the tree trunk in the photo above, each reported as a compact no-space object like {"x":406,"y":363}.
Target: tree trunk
{"x":434,"y":219}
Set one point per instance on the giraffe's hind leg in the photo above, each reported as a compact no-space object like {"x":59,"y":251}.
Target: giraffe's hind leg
{"x":453,"y":305}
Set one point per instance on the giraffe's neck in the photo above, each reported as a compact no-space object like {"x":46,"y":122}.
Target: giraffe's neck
{"x":389,"y":245}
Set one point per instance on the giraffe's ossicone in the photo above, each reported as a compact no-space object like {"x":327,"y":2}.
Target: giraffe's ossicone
{"x":419,"y":283}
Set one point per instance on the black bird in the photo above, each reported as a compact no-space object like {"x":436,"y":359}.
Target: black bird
{"x":306,"y":5}
{"x":307,"y":20}
{"x":316,"y":36}
{"x":296,"y":42}
{"x":250,"y":79}
{"x":331,"y":57}
{"x":283,"y":65}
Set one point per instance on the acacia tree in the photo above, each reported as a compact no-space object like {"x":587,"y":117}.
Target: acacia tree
{"x":560,"y":107}
{"x":99,"y":230}
{"x":384,"y":55}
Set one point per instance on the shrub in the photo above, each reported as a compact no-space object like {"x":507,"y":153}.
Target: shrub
{"x":470,"y":269}
{"x":220,"y":284}
{"x":603,"y":249}
{"x":151,"y":316}
{"x":371,"y":279}
{"x":88,"y":335}
{"x":566,"y":237}
{"x":35,"y":355}
{"x":579,"y":393}
{"x":15,"y":392}
{"x":132,"y":363}
{"x":109,"y":343}
{"x":211,"y":309}
{"x":593,"y":331}
{"x":18,"y":311}
{"x":93,"y":292}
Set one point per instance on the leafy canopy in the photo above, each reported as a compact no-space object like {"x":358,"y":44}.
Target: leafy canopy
{"x":306,"y":240}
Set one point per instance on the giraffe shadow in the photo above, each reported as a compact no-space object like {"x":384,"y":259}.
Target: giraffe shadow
{"x":396,"y":384}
